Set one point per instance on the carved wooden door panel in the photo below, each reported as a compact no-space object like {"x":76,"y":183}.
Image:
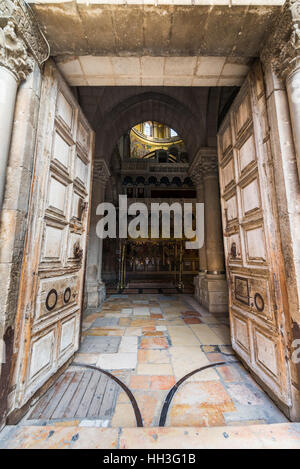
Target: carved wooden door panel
{"x":251,"y":238}
{"x":51,"y":289}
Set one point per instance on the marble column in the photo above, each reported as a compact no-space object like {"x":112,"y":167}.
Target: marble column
{"x":8,"y":92}
{"x":95,"y":288}
{"x":16,"y":63}
{"x":215,"y":290}
{"x":213,"y":222}
{"x":196,"y":174}
{"x":289,"y":69}
{"x":282,"y":52}
{"x":210,"y":285}
{"x":293,"y":90}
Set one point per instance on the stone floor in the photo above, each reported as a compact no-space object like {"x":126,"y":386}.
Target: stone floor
{"x":150,"y":342}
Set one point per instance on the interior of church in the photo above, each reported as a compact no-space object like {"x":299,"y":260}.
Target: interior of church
{"x":150,"y":162}
{"x":155,"y":263}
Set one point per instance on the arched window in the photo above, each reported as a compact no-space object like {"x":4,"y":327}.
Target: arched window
{"x":173,"y":133}
{"x":147,"y":129}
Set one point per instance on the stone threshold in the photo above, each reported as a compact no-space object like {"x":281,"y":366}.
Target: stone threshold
{"x":272,"y":436}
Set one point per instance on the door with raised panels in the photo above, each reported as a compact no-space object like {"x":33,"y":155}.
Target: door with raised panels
{"x":252,"y":245}
{"x":49,"y":310}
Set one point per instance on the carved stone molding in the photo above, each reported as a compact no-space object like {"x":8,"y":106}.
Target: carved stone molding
{"x":13,"y":53}
{"x":204,"y":164}
{"x":282,"y":49}
{"x":197,"y":177}
{"x":101,"y":172}
{"x":195,"y":169}
{"x":210,"y":165}
{"x":21,"y":41}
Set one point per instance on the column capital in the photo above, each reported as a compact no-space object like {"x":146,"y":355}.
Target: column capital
{"x":194,"y":166}
{"x":210,"y":166}
{"x":282,"y":49}
{"x":21,"y":41}
{"x":101,"y":173}
{"x":197,"y":178}
{"x":205,"y":163}
{"x":195,"y":170}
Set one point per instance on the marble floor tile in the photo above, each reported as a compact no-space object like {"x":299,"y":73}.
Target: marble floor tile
{"x":128,"y":344}
{"x":139,"y":382}
{"x":161,"y":328}
{"x":244,"y":395}
{"x":154,"y":343}
{"x":118,"y":361}
{"x":96,"y":344}
{"x":153,"y":356}
{"x":155,"y":310}
{"x":101,"y":322}
{"x":206,"y":335}
{"x":123,"y":416}
{"x":104,"y":332}
{"x":86,"y":358}
{"x":162,"y":382}
{"x":201,"y":404}
{"x":141,"y":322}
{"x":226,"y":349}
{"x":223,"y":332}
{"x":154,"y":369}
{"x":133,"y":331}
{"x":187,"y":359}
{"x":182,"y":336}
{"x":141,"y":311}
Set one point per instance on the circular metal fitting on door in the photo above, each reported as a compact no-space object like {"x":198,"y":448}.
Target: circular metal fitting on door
{"x":67,"y":295}
{"x":51,"y":299}
{"x":259,"y":302}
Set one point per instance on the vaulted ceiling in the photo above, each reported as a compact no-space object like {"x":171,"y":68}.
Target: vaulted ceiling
{"x":192,"y":112}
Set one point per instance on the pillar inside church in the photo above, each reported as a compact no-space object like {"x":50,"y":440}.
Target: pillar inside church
{"x":197,"y":178}
{"x":293,"y":90}
{"x":210,"y":285}
{"x":95,"y":288}
{"x":215,"y":290}
{"x":8,"y":91}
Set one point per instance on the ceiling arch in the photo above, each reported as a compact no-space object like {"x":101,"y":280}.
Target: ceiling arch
{"x":144,"y":106}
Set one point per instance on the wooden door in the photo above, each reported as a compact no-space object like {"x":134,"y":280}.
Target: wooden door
{"x":253,"y":255}
{"x":49,"y":310}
